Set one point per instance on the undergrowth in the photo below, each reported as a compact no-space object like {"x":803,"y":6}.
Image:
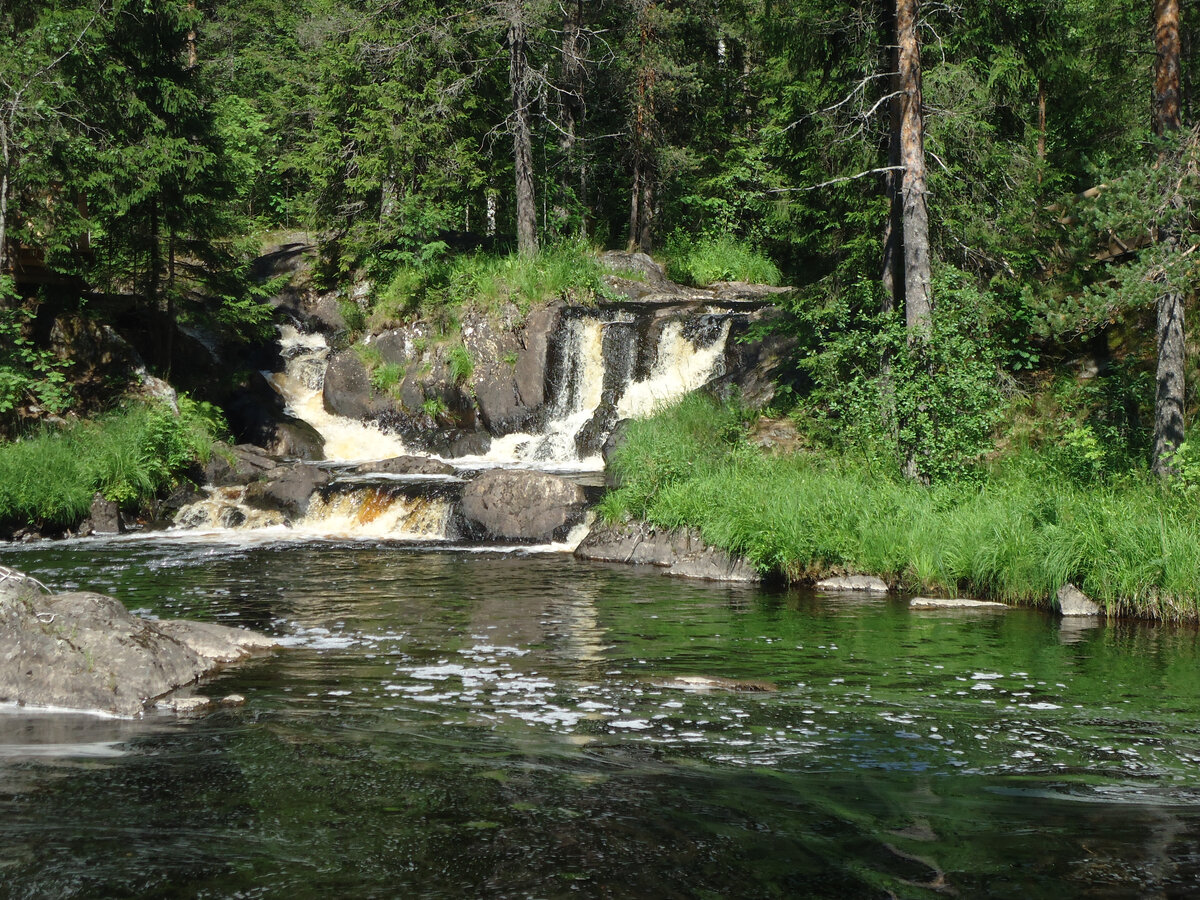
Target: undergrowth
{"x":1016,"y":535}
{"x":438,"y":287}
{"x":129,"y":455}
{"x":705,"y":260}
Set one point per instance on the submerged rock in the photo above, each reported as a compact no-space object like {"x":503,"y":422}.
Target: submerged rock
{"x":867,"y":584}
{"x":1074,"y":602}
{"x":680,"y":551}
{"x":85,"y":651}
{"x":953,"y":603}
{"x":518,"y":504}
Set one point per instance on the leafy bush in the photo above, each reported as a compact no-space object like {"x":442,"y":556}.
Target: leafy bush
{"x":27,"y":372}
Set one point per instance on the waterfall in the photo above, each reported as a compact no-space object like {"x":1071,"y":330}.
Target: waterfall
{"x":300,"y":384}
{"x":615,"y":362}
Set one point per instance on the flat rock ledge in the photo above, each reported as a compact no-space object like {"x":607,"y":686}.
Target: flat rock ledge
{"x":85,"y":651}
{"x":679,"y":551}
{"x":953,"y":603}
{"x":866,"y":584}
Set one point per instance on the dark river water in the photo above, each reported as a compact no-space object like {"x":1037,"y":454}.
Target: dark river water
{"x":470,"y":724}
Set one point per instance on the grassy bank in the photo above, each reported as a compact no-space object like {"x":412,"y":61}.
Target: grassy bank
{"x":131,"y":455}
{"x":1017,"y":535}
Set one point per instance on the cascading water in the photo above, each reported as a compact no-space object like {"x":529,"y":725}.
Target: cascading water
{"x":300,"y":384}
{"x":603,"y":365}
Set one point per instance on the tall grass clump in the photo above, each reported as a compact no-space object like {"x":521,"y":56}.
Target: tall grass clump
{"x":438,"y":286}
{"x":129,"y":455}
{"x":705,"y":260}
{"x":1016,"y":535}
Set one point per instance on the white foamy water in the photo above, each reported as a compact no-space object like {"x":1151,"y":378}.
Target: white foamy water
{"x":679,"y":368}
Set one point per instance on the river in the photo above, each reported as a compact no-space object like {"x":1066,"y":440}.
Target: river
{"x":474,"y":723}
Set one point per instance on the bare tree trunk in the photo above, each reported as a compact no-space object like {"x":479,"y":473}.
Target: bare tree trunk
{"x":646,"y":220}
{"x":891,"y":272}
{"x":635,"y":199}
{"x":6,"y":151}
{"x":918,"y":289}
{"x":571,"y":112}
{"x":641,"y":217}
{"x":1041,"y":142}
{"x":1169,"y":380}
{"x":518,"y":77}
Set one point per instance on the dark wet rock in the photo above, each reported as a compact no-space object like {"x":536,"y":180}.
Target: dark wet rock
{"x":105,"y":516}
{"x":257,"y":416}
{"x":520,"y":505}
{"x":237,"y":465}
{"x":86,"y":651}
{"x":347,"y":390}
{"x":1074,"y":602}
{"x":679,"y":551}
{"x":406,"y":465}
{"x":286,"y":490}
{"x":866,"y":584}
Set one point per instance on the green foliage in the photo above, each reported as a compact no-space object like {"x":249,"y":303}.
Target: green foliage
{"x":1015,"y":535}
{"x":707,"y":260}
{"x":386,"y":378}
{"x":438,"y":287}
{"x":434,"y":407}
{"x":462,"y":364}
{"x":869,"y":388}
{"x":28,"y":373}
{"x":129,"y":455}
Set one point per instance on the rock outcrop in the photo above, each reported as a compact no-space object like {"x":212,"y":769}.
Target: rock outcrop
{"x":520,"y":505}
{"x":680,"y":552}
{"x":1074,"y":602}
{"x":85,"y":651}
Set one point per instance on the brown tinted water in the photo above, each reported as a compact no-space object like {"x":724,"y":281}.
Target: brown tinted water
{"x":473,"y":724}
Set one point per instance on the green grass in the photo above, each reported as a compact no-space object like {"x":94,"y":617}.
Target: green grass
{"x":1133,"y":545}
{"x":702,"y":261}
{"x":130,"y":455}
{"x":439,"y":288}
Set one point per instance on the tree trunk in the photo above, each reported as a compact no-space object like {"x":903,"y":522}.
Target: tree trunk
{"x":1169,"y":381}
{"x":6,"y":152}
{"x":1166,"y":67}
{"x":518,"y":76}
{"x":891,"y":272}
{"x":571,"y":113}
{"x":641,"y":218}
{"x":918,"y":290}
{"x":1041,"y":141}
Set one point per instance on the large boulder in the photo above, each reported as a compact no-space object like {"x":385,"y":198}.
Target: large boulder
{"x":85,"y":651}
{"x":678,"y":551}
{"x":520,"y":505}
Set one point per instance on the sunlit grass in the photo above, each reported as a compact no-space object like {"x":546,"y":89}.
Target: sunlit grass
{"x":1017,"y":536}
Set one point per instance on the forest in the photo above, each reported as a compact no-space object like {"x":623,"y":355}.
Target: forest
{"x":983,"y":208}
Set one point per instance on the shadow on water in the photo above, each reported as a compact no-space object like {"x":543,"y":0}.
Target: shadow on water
{"x":479,"y":724}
